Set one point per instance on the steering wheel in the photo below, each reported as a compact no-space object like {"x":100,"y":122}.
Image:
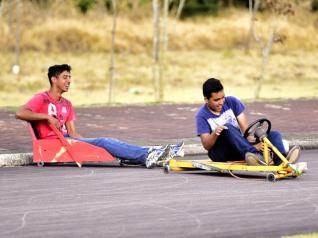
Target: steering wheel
{"x":257,"y":130}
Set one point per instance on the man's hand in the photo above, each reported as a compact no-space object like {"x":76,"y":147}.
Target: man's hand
{"x":53,"y":121}
{"x":208,"y":140}
{"x":219,"y":130}
{"x":259,"y":146}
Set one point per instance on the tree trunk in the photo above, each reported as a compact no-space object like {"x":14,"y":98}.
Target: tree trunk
{"x":180,"y":7}
{"x":16,"y":66}
{"x":1,"y":7}
{"x":112,"y":72}
{"x":265,"y":53}
{"x":165,"y":26}
{"x":251,"y":33}
{"x":157,"y":82}
{"x":279,"y":8}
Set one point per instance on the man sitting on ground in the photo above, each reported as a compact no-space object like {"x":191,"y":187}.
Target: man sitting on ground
{"x":221,"y":123}
{"x":50,"y":107}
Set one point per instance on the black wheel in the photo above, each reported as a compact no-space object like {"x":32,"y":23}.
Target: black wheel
{"x":257,"y":130}
{"x":166,"y":168}
{"x":40,"y":164}
{"x":271,"y":177}
{"x":125,"y":162}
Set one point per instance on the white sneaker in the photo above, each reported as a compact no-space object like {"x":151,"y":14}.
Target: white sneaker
{"x":157,"y":155}
{"x":300,"y":167}
{"x":177,"y":150}
{"x":286,"y":145}
{"x":293,"y":154}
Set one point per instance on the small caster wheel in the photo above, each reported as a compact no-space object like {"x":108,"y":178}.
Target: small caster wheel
{"x":40,"y":164}
{"x":166,"y":168}
{"x":271,"y":177}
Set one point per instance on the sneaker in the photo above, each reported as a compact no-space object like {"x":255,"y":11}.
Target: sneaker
{"x":254,"y":159}
{"x":293,"y":154}
{"x":157,"y":155}
{"x":177,"y":150}
{"x":286,"y":146}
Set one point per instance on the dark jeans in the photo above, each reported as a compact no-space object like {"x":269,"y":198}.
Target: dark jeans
{"x":232,"y":146}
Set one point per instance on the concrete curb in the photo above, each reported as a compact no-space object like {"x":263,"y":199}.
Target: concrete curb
{"x":12,"y":160}
{"x":304,"y":144}
{"x":20,"y":159}
{"x":197,"y":149}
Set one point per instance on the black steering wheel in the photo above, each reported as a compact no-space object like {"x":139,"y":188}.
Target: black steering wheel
{"x":257,"y":130}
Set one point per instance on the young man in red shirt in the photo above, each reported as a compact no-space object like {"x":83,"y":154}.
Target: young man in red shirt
{"x":50,"y":107}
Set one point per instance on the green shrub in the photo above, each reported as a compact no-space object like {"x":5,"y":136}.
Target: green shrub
{"x":314,"y":5}
{"x":108,"y":4}
{"x":200,"y":7}
{"x":85,"y":5}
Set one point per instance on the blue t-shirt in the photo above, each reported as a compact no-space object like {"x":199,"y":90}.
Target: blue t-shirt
{"x":207,"y":121}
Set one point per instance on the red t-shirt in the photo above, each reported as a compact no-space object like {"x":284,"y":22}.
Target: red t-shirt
{"x":62,"y":109}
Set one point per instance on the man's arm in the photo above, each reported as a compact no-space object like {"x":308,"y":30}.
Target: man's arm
{"x":71,"y":130}
{"x":242,"y":121}
{"x":208,"y":140}
{"x":24,"y":113}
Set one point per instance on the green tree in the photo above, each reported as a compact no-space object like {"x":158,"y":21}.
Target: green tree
{"x":314,"y":5}
{"x":200,"y":7}
{"x":85,"y":5}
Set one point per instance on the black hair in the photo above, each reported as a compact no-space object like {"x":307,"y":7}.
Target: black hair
{"x":210,"y":86}
{"x":56,"y":70}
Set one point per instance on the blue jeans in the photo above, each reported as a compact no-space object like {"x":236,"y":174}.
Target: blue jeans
{"x":231,"y":145}
{"x":119,"y":149}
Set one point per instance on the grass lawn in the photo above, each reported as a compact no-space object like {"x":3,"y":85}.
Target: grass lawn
{"x":289,"y":75}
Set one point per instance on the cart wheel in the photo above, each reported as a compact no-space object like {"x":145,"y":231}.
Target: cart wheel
{"x":166,"y":168}
{"x":40,"y":164}
{"x":271,"y":177}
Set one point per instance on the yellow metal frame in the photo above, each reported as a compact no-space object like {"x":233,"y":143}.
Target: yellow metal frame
{"x":273,"y":172}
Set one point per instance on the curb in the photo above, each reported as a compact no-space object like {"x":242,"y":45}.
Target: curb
{"x":197,"y":149}
{"x":20,"y":159}
{"x":12,"y":160}
{"x":304,"y":144}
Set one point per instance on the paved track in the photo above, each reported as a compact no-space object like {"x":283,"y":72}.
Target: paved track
{"x":160,"y":124}
{"x":111,"y":201}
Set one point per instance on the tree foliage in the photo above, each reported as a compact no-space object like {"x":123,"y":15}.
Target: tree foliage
{"x":191,"y":7}
{"x":85,"y":5}
{"x":314,"y":5}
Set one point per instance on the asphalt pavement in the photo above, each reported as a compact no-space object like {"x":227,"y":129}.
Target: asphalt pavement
{"x":106,"y":200}
{"x":113,"y":201}
{"x":161,"y":124}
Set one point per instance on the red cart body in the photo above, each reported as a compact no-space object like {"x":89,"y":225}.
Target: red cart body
{"x":64,"y":150}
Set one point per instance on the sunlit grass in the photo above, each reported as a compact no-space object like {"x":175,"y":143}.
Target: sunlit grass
{"x":199,"y":48}
{"x":74,"y":32}
{"x":289,"y":75}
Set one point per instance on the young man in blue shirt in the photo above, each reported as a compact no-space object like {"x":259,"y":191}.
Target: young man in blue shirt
{"x":221,"y":123}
